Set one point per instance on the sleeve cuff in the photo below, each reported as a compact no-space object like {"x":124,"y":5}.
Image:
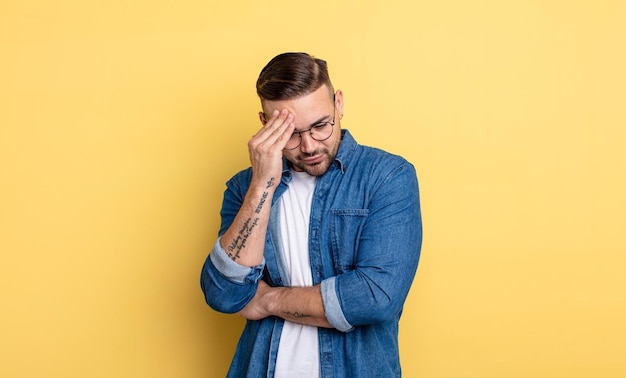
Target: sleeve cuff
{"x":233,"y":271}
{"x":332,"y":308}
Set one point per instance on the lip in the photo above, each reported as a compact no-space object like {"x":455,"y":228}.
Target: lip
{"x":313,"y":160}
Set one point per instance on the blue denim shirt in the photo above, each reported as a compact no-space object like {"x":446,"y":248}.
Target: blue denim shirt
{"x":365,"y":237}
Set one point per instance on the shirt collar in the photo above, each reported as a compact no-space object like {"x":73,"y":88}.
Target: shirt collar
{"x":346,"y":150}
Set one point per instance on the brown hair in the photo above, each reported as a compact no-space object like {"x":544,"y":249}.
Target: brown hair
{"x":292,"y":75}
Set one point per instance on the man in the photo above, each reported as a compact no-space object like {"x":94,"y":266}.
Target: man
{"x":320,"y":238}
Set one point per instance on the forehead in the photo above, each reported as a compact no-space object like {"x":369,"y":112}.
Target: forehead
{"x":305,"y":108}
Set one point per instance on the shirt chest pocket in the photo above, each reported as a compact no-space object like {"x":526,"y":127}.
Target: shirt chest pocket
{"x":346,"y":226}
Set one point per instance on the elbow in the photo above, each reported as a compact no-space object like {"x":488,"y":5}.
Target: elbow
{"x":381,"y":311}
{"x":224,"y":306}
{"x":374,"y":313}
{"x":223,"y":295}
{"x":365,"y":303}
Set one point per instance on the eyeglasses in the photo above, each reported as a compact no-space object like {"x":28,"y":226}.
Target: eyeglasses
{"x":319,"y":132}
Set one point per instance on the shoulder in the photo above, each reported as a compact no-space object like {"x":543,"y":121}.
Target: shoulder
{"x":363,"y":159}
{"x":379,"y":155}
{"x":381,"y":163}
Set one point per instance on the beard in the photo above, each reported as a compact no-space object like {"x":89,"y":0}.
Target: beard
{"x":317,"y":169}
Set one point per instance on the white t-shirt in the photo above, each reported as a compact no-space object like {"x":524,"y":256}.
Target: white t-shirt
{"x":298,"y":351}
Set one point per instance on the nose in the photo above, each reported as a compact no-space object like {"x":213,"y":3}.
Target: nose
{"x":307,"y":144}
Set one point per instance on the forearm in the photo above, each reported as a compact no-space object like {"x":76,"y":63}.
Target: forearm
{"x":244,"y":240}
{"x":301,"y":305}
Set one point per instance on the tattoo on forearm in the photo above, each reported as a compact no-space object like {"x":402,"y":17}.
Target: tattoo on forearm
{"x":270,"y":183}
{"x":297,"y":315}
{"x":239,"y":242}
{"x":261,"y":203}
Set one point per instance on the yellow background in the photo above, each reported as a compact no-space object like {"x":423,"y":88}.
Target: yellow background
{"x":120,"y":121}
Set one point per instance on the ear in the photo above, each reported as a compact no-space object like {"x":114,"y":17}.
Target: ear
{"x":339,"y":102}
{"x":262,"y":118}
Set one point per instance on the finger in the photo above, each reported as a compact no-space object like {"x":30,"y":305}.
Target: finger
{"x":272,"y":118}
{"x":265,"y":117}
{"x":274,"y":135}
{"x":276,"y":120}
{"x":284,"y":134}
{"x":283,"y":118}
{"x":267,"y":122}
{"x":280,"y":128}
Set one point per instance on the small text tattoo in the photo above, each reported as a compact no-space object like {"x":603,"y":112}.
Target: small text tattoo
{"x":296,"y":314}
{"x":239,"y":242}
{"x":261,"y":202}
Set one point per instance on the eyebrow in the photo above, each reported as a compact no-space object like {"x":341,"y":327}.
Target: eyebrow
{"x":322,"y":119}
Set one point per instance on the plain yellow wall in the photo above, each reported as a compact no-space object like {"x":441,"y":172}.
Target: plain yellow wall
{"x":120,"y":121}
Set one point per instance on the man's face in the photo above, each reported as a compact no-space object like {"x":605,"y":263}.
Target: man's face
{"x":312,"y":156}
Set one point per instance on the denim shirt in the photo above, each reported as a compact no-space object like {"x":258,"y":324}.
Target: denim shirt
{"x":365,"y":236}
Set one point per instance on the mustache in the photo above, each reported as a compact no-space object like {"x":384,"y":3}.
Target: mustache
{"x":310,"y":154}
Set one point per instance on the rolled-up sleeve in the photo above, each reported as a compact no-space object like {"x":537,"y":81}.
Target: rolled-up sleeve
{"x":332,"y":308}
{"x":228,"y":286}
